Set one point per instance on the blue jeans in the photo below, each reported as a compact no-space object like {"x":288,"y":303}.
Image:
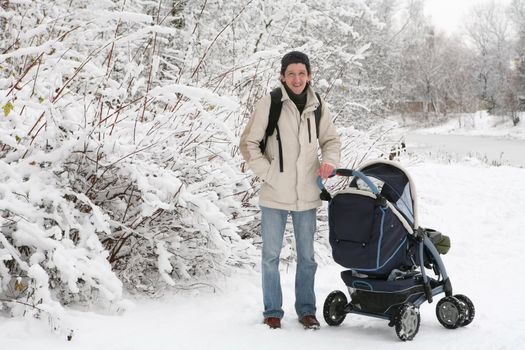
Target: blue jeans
{"x":273,"y":224}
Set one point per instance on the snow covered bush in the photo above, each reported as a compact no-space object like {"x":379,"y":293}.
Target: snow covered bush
{"x":108,"y":175}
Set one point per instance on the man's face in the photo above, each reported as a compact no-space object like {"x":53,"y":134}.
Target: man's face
{"x":296,"y":77}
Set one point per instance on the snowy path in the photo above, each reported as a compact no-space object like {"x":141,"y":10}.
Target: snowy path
{"x":480,"y":208}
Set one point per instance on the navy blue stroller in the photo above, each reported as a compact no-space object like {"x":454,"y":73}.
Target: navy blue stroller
{"x":374,"y":233}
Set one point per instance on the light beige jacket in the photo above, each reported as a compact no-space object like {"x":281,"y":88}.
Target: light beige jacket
{"x":295,"y":188}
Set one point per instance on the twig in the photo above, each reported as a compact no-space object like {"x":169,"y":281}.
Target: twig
{"x":22,"y":303}
{"x":200,"y":14}
{"x":79,"y":68}
{"x":110,"y":166}
{"x":117,"y":111}
{"x":15,"y":86}
{"x":129,"y":203}
{"x":216,"y":37}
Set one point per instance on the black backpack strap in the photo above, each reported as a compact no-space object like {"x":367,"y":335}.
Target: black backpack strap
{"x":273,"y":117}
{"x":318,"y":112}
{"x":275,"y":111}
{"x":281,"y":164}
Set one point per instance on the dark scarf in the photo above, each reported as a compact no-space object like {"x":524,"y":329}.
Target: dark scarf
{"x":298,"y":99}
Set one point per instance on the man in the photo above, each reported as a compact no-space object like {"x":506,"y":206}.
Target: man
{"x":289,"y":183}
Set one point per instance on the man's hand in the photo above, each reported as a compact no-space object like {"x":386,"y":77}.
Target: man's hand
{"x":325,"y":170}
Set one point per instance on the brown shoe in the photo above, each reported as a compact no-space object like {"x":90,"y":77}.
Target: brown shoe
{"x":273,"y":322}
{"x":310,"y":322}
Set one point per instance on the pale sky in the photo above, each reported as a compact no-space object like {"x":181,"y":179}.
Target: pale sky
{"x":447,"y":14}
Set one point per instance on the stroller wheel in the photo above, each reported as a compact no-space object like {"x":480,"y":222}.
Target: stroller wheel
{"x":334,"y":308}
{"x":450,"y":312}
{"x":468,"y":308}
{"x":407,"y":321}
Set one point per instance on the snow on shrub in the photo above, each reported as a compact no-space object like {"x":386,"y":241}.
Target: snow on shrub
{"x":109,"y":178}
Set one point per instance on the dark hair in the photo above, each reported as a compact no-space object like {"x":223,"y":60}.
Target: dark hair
{"x":294,"y":57}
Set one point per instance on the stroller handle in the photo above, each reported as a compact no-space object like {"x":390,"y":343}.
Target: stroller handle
{"x":349,"y":172}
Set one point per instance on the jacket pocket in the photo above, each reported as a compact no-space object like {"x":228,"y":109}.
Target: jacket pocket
{"x":271,"y":172}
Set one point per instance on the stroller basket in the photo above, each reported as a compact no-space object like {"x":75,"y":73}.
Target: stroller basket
{"x":382,"y":296}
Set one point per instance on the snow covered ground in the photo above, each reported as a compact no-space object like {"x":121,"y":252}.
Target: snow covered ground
{"x":480,"y":207}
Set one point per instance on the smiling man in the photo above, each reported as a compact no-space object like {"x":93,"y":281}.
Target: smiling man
{"x":280,"y":145}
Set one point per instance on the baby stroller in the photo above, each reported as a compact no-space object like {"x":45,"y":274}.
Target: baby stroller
{"x":374,"y":233}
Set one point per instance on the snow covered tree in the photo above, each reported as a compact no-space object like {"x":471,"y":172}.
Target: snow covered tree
{"x":458,"y":89}
{"x":488,"y":31}
{"x":517,"y":15}
{"x":417,"y":61}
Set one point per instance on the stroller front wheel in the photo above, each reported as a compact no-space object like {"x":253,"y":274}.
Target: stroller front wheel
{"x":469,"y":310}
{"x":407,"y":321}
{"x":334,"y":308}
{"x":450,"y":312}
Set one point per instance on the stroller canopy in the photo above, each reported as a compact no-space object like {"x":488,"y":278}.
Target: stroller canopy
{"x":394,"y":184}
